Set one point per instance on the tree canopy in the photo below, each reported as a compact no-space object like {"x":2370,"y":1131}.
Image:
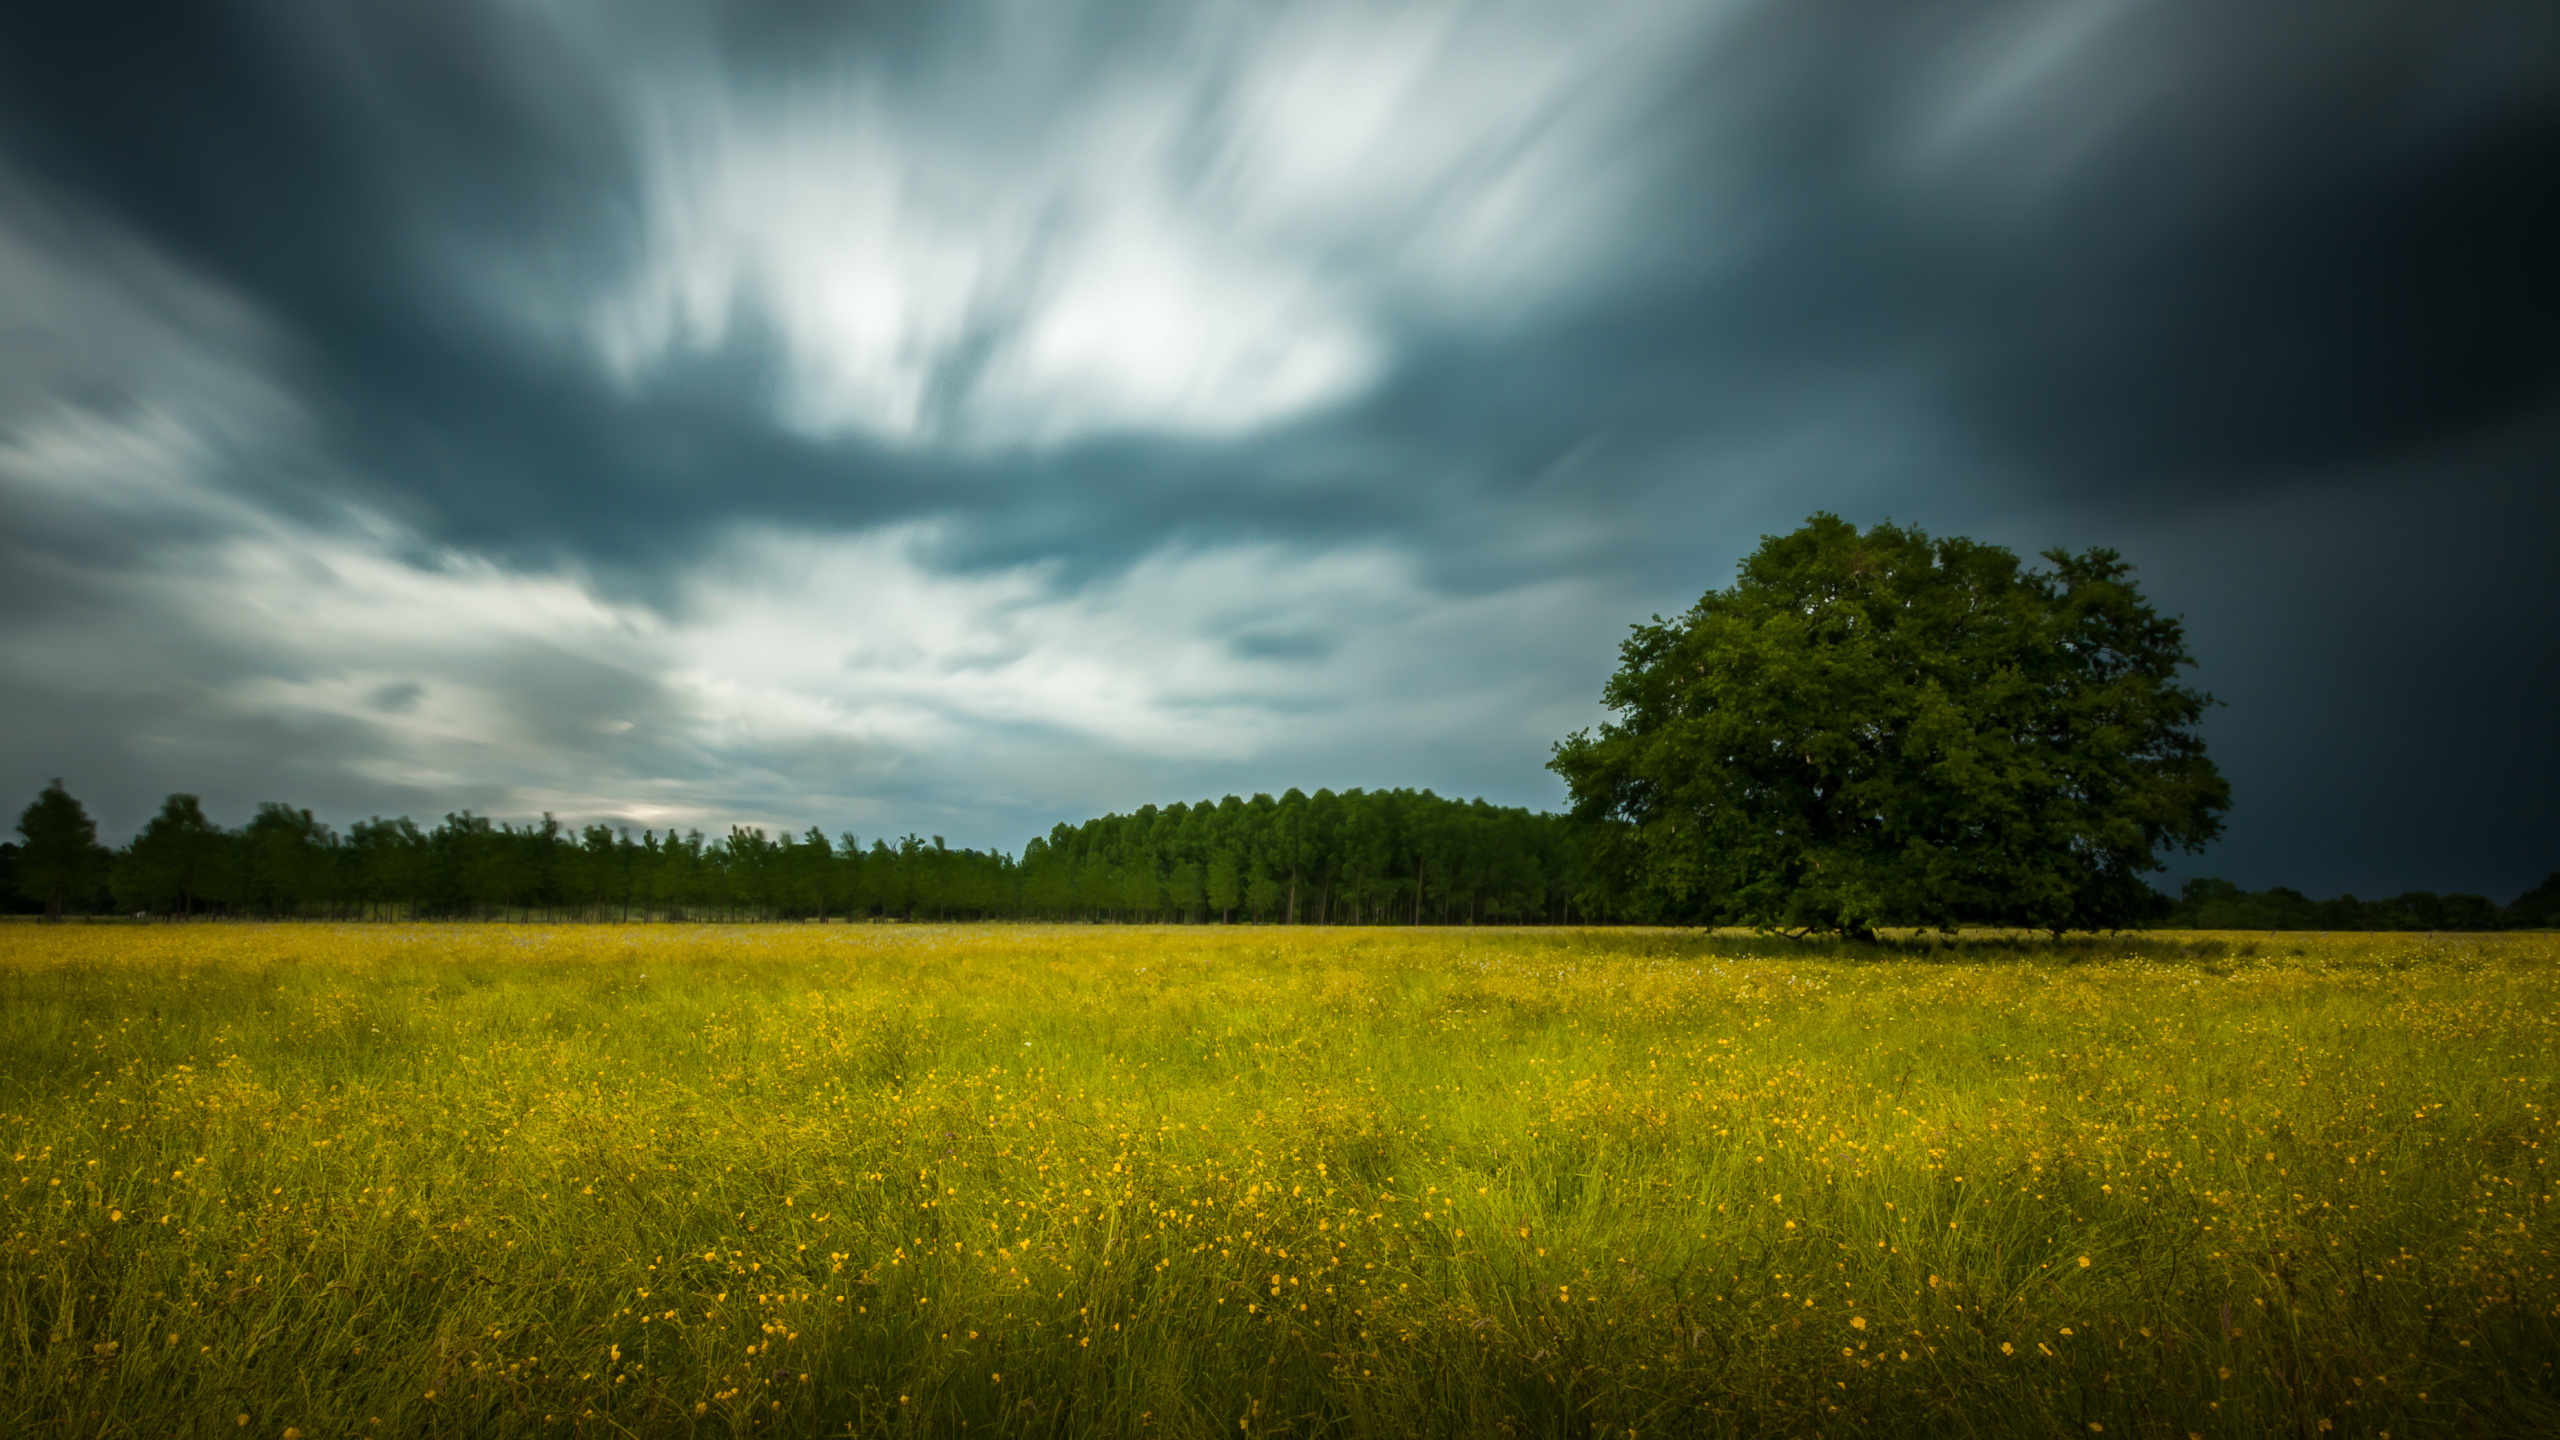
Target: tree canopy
{"x":1877,"y":728}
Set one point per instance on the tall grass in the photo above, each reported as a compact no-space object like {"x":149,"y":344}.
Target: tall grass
{"x":1077,"y":1181}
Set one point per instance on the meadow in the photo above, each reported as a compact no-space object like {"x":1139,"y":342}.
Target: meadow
{"x":311,"y":1180}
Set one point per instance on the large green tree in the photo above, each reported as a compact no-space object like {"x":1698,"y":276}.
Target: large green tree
{"x":62,"y":859}
{"x":1878,"y":728}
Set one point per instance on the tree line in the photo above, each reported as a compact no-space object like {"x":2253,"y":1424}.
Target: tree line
{"x":1357,"y":857}
{"x":1353,"y":857}
{"x":2213,"y":904}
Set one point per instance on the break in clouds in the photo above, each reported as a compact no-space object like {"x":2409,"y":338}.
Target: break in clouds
{"x":966,"y":417}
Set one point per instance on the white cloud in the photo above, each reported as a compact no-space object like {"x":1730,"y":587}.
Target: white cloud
{"x":854,"y":637}
{"x":925,"y":293}
{"x":1204,"y":249}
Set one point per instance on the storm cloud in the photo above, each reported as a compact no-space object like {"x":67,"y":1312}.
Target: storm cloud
{"x":960,"y":418}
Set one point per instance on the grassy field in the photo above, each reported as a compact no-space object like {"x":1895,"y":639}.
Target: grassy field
{"x":886,"y":1180}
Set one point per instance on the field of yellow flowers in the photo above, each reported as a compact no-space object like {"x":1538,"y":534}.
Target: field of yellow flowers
{"x":669,"y":1180}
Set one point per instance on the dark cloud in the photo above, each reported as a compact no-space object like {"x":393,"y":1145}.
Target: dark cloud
{"x":1173,"y":349}
{"x":400,"y":697}
{"x":2340,"y":311}
{"x":2384,"y":650}
{"x":1268,"y":645}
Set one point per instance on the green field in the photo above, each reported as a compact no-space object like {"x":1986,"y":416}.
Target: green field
{"x":654,"y":1180}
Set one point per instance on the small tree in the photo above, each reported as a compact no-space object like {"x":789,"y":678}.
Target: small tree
{"x":1877,"y":728}
{"x":61,"y":857}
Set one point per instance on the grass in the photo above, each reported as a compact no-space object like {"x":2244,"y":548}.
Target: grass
{"x":672,"y":1180}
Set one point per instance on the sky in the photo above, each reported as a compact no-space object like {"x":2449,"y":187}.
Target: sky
{"x":962,"y":417}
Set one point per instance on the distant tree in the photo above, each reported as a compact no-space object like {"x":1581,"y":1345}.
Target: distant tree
{"x":288,"y":860}
{"x":2537,"y":908}
{"x":395,"y":862}
{"x":592,"y":871}
{"x":1225,"y":886}
{"x":2472,"y":912}
{"x":754,"y":864}
{"x":1874,"y":728}
{"x":542,"y":872}
{"x":1048,"y":877}
{"x":175,"y":860}
{"x":1262,"y":894}
{"x":1286,"y":844}
{"x":470,"y":865}
{"x":61,"y":858}
{"x":1141,"y":887}
{"x":658,"y":880}
{"x":928,"y":880}
{"x":2209,"y":903}
{"x":804,"y":874}
{"x":1097,"y":892}
{"x":1185,"y":891}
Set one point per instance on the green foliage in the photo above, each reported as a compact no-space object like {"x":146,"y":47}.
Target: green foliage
{"x":175,"y":861}
{"x":1877,"y":728}
{"x":1360,"y":857}
{"x":1225,"y":886}
{"x":61,"y":859}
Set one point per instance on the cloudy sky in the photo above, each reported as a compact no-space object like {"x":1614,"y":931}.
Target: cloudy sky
{"x":964,"y":416}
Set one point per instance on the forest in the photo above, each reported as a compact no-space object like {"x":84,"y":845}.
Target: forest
{"x":1331,"y":858}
